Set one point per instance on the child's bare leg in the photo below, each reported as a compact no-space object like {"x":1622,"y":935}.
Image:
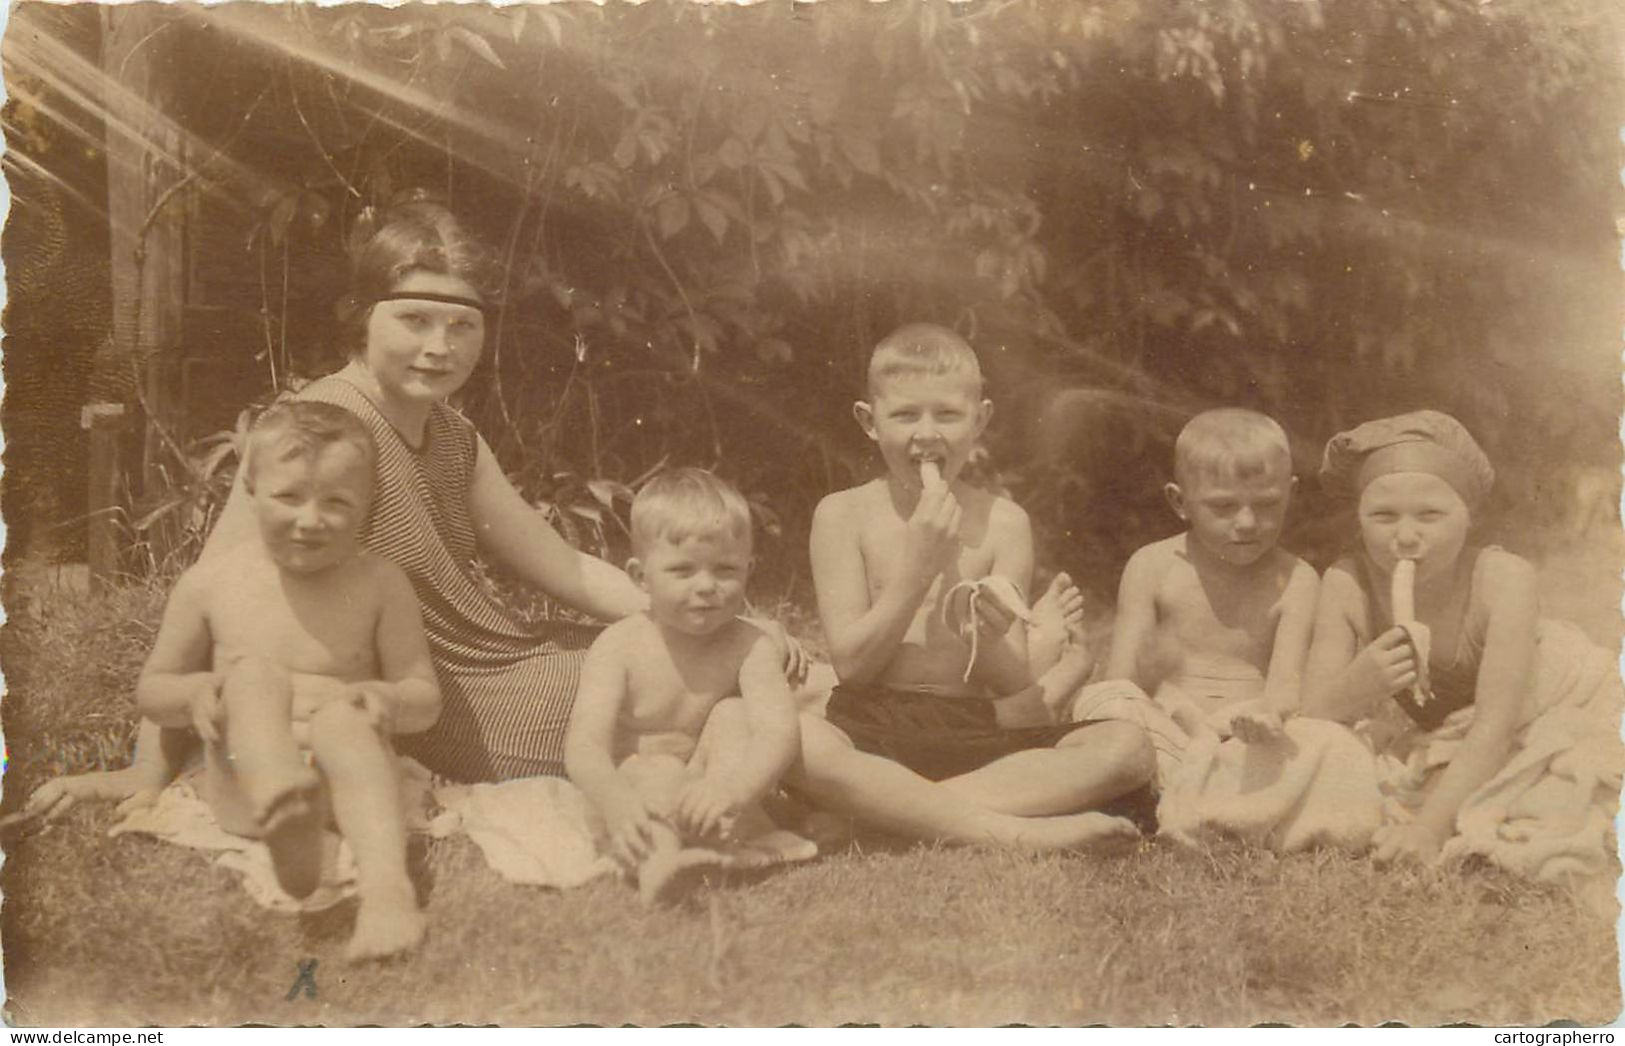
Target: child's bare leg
{"x":365,"y":786}
{"x":265,"y":762}
{"x":662,"y":872}
{"x":723,"y":741}
{"x":1088,"y":768}
{"x":892,"y":797}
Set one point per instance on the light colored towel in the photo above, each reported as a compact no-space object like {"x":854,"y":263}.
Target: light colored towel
{"x":1548,"y":813}
{"x":1314,"y":786}
{"x":538,"y":831}
{"x":181,"y":815}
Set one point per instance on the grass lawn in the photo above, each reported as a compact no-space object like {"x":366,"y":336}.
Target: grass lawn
{"x":133,"y":931}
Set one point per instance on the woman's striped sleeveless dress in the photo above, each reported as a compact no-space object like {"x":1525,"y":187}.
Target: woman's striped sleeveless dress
{"x":507,"y":690}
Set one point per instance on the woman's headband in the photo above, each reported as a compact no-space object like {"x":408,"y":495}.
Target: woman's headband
{"x":448,"y":299}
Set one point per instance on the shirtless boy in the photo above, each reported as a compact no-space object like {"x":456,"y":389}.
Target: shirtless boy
{"x":936,"y":686}
{"x":1216,"y":621}
{"x":300,"y":642}
{"x":684,"y":719}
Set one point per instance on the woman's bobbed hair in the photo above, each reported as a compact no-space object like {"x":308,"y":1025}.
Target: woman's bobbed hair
{"x":416,"y":236}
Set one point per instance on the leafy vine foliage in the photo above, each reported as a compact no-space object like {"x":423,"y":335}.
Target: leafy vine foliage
{"x":1134,"y":208}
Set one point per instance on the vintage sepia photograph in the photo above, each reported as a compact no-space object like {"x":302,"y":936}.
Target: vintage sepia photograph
{"x":964,"y":514}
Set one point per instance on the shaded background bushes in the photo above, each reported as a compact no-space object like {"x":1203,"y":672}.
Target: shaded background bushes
{"x":1133,"y":209}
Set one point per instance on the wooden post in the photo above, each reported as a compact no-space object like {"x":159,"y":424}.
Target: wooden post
{"x":145,"y":161}
{"x":105,"y":422}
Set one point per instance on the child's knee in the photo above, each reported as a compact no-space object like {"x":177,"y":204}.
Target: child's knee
{"x":823,"y":747}
{"x":340,"y":729}
{"x":1128,"y":749}
{"x":727,"y":714}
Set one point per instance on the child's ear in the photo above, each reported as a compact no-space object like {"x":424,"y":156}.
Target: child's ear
{"x":634,"y":570}
{"x":1176,"y":499}
{"x":986,"y":417}
{"x":866,"y":419}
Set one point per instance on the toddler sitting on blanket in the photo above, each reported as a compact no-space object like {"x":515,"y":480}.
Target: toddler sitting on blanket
{"x":1215,"y":621}
{"x":1476,"y":708}
{"x":295,"y":655}
{"x":659,"y":742}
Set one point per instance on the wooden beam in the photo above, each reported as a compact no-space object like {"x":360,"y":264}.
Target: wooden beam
{"x":145,"y":159}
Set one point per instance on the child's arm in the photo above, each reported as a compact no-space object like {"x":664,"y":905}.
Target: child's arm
{"x":1341,"y":681}
{"x":515,"y":534}
{"x":177,"y":687}
{"x":406,"y":697}
{"x":1001,"y":658}
{"x":706,"y":805}
{"x":864,"y":637}
{"x":1136,"y":618}
{"x":1509,"y":590}
{"x":589,"y":748}
{"x":1284,"y":682}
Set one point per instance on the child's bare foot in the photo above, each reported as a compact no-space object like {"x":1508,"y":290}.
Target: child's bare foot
{"x":1060,"y":608}
{"x":293,"y":827}
{"x":1091,"y":832}
{"x":385,"y":925}
{"x":667,"y":875}
{"x":1057,"y":622}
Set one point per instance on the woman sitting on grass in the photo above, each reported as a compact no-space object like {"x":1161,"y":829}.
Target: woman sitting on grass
{"x":414,"y":321}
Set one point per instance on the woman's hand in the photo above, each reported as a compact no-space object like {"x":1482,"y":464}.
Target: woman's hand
{"x":57,"y":796}
{"x":1411,"y":842}
{"x":797,"y":662}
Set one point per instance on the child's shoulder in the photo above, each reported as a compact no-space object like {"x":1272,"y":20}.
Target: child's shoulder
{"x":627,"y":632}
{"x":379,"y":571}
{"x":1498,"y":570}
{"x":1159,"y":555}
{"x":850,"y":505}
{"x":1289,"y":565}
{"x":1001,"y":510}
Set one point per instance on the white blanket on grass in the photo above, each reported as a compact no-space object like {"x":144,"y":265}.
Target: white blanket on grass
{"x":1546,"y":815}
{"x":538,"y":831}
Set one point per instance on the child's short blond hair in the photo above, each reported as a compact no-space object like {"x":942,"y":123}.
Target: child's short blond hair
{"x":681,"y":503}
{"x":303,"y":429}
{"x":1229,"y":441}
{"x":923,"y":348}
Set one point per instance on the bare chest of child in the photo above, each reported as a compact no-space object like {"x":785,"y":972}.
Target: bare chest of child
{"x":318,"y":624}
{"x":931,"y":654}
{"x":1225,"y":617}
{"x":673,"y":681}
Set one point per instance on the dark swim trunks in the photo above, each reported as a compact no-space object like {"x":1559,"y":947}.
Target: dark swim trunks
{"x":940,"y":737}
